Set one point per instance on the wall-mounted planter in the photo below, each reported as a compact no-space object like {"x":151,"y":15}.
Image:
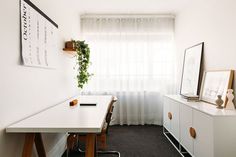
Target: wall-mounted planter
{"x":69,"y":47}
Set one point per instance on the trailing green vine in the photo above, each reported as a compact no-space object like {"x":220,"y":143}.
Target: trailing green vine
{"x":83,"y":62}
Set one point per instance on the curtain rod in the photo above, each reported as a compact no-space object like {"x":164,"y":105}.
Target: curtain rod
{"x":127,"y":15}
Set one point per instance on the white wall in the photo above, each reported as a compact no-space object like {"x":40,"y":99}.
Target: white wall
{"x":26,"y":90}
{"x":131,"y":6}
{"x":213,"y":22}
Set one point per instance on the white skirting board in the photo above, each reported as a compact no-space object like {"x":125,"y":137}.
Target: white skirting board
{"x":59,"y":148}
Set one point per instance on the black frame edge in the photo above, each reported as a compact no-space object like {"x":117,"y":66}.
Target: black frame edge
{"x":40,"y":12}
{"x":200,"y":70}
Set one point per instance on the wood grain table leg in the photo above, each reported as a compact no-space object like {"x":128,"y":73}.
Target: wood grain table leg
{"x":90,"y":145}
{"x":30,"y":139}
{"x":28,"y":145}
{"x":39,"y":145}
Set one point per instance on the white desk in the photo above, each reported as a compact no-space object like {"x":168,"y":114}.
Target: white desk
{"x":63,"y":118}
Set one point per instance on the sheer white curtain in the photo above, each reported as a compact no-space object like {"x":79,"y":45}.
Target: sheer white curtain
{"x":132,"y":58}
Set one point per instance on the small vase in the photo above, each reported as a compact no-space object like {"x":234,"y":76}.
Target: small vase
{"x":219,"y":102}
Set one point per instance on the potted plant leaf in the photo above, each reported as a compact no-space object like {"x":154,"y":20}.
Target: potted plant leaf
{"x":82,"y":62}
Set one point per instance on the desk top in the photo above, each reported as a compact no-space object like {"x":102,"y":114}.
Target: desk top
{"x":63,"y":118}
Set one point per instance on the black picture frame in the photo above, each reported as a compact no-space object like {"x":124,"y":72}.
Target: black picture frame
{"x":192,"y":71}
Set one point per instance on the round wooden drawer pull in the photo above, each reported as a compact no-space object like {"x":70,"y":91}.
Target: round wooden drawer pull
{"x":192,"y":132}
{"x":170,"y":115}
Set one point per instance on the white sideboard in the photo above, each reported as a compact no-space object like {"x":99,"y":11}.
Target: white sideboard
{"x":199,"y":129}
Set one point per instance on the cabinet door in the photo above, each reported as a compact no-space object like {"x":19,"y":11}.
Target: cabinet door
{"x":185,"y":123}
{"x":203,"y":143}
{"x":174,"y":123}
{"x":166,"y":110}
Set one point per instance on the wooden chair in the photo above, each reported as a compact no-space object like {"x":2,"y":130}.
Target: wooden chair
{"x":102,"y":137}
{"x":74,"y":138}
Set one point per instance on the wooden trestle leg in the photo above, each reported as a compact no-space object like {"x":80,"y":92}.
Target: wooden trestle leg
{"x":30,"y":139}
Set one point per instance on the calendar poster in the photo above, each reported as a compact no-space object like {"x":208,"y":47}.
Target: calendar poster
{"x":38,"y":36}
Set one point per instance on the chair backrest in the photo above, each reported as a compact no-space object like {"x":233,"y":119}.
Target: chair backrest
{"x":109,"y":113}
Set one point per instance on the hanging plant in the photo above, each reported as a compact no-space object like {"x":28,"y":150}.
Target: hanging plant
{"x":83,"y":62}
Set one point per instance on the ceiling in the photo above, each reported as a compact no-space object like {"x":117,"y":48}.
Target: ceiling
{"x":130,"y":6}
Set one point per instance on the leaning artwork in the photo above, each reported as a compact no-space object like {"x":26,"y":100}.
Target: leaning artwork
{"x":216,"y":83}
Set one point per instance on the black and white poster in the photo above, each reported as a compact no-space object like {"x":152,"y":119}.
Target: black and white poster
{"x":38,"y":36}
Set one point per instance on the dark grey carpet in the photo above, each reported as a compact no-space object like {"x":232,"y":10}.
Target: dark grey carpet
{"x":137,"y":141}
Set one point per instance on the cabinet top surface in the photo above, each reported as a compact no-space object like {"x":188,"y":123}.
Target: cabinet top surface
{"x":207,"y":108}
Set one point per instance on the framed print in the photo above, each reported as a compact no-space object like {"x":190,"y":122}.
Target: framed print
{"x":216,"y":83}
{"x":190,"y":84}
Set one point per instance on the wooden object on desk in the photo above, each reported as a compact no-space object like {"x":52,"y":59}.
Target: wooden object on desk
{"x":73,"y":102}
